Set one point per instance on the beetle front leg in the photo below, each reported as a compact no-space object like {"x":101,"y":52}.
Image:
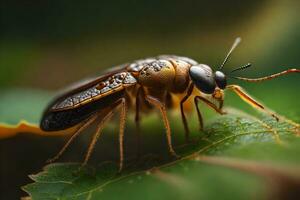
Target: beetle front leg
{"x":200,"y":118}
{"x":248,"y":99}
{"x":210,"y":104}
{"x":186,"y":128}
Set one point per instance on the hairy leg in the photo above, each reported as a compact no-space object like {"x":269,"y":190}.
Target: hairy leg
{"x":162,"y":108}
{"x":210,"y":104}
{"x":96,"y":137}
{"x":137,"y":119}
{"x":122,"y":103}
{"x":248,"y":99}
{"x":85,"y":124}
{"x":200,"y":118}
{"x":121,"y":131}
{"x":185,"y":124}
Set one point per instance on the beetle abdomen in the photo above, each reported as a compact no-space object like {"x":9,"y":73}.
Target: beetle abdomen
{"x":60,"y":120}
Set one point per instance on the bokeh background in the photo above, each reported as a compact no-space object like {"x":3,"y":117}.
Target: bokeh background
{"x":46,"y":45}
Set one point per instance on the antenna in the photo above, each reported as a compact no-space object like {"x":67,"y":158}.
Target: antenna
{"x":268,"y":77}
{"x":234,"y":45}
{"x":242,"y":67}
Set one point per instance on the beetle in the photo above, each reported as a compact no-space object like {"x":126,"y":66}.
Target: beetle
{"x":142,"y":84}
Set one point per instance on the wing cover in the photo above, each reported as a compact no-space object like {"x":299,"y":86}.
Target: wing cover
{"x":113,"y":83}
{"x":76,"y":106}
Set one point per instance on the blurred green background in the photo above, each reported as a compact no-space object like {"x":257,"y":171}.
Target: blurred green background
{"x":46,"y":45}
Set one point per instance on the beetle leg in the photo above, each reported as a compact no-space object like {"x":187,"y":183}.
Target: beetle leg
{"x":121,"y":131}
{"x":200,"y":118}
{"x":96,"y":137}
{"x":162,"y":108}
{"x":123,"y":105}
{"x":210,"y":104}
{"x":85,"y":124}
{"x":248,"y":99}
{"x":186,"y":128}
{"x":221,"y":103}
{"x":137,"y":119}
{"x":137,"y":108}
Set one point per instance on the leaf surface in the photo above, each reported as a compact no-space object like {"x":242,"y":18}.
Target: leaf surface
{"x":238,"y":157}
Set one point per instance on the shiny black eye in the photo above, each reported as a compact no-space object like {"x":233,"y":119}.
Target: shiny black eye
{"x":220,"y":79}
{"x":203,"y":78}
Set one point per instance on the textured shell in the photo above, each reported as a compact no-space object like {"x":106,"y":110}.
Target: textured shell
{"x":117,"y":79}
{"x":81,"y":101}
{"x":164,"y":71}
{"x":157,"y":74}
{"x":113,"y":83}
{"x":138,"y":65}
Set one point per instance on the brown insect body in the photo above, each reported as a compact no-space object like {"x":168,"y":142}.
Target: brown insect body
{"x":152,"y":81}
{"x":155,"y":75}
{"x":165,"y":73}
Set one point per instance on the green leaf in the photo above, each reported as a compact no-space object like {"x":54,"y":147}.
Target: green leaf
{"x":22,"y":104}
{"x":237,"y":157}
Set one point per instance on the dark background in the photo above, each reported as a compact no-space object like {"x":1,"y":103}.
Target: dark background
{"x":46,"y":45}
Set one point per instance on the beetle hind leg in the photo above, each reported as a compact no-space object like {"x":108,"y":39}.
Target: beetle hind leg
{"x":137,"y":120}
{"x":121,"y":132}
{"x":96,"y":137}
{"x":85,"y":124}
{"x":92,"y":144}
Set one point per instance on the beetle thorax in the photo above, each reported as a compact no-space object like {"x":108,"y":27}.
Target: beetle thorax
{"x":166,"y":74}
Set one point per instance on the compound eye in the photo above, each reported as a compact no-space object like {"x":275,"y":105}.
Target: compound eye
{"x":203,"y":78}
{"x":220,"y":79}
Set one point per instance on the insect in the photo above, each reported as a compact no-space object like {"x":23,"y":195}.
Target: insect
{"x":143,"y":84}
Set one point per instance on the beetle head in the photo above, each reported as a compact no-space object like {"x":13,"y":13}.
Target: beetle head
{"x":206,"y":80}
